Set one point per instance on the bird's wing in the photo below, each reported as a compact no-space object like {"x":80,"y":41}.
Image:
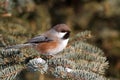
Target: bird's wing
{"x":39,"y":39}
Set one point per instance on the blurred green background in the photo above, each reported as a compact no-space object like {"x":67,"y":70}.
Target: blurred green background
{"x":102,"y":17}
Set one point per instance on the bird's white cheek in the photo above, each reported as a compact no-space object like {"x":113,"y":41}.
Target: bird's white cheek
{"x":60,"y":35}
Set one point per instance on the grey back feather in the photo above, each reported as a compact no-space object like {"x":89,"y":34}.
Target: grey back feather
{"x":39,"y":39}
{"x":18,"y":46}
{"x":31,"y":42}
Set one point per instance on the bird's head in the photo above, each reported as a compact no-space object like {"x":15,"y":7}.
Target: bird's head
{"x":62,"y":30}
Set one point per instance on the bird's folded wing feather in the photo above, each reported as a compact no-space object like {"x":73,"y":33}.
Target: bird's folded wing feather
{"x":39,"y":39}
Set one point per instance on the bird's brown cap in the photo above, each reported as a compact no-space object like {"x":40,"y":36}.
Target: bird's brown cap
{"x":62,"y":28}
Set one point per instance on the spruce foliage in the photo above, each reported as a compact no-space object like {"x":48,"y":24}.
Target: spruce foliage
{"x":79,"y":61}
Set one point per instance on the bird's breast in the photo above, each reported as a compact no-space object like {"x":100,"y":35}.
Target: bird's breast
{"x":61,"y":45}
{"x":44,"y":48}
{"x":51,"y":48}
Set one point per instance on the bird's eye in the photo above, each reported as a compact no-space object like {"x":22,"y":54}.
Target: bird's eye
{"x":63,"y":31}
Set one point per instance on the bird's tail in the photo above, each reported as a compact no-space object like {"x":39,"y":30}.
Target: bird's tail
{"x":18,"y":46}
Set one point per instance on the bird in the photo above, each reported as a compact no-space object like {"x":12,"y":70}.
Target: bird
{"x":51,"y":42}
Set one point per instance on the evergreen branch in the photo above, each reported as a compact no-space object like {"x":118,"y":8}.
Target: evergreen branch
{"x":95,"y":67}
{"x":10,"y":57}
{"x":10,"y":72}
{"x":75,"y":53}
{"x":15,"y":56}
{"x":85,"y":75}
{"x":16,"y":32}
{"x":61,"y":72}
{"x":61,"y":62}
{"x":80,"y":61}
{"x":6,"y":7}
{"x":81,"y":36}
{"x":29,"y":52}
{"x":67,"y":73}
{"x":37,"y":64}
{"x":9,"y":52}
{"x":88,"y":48}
